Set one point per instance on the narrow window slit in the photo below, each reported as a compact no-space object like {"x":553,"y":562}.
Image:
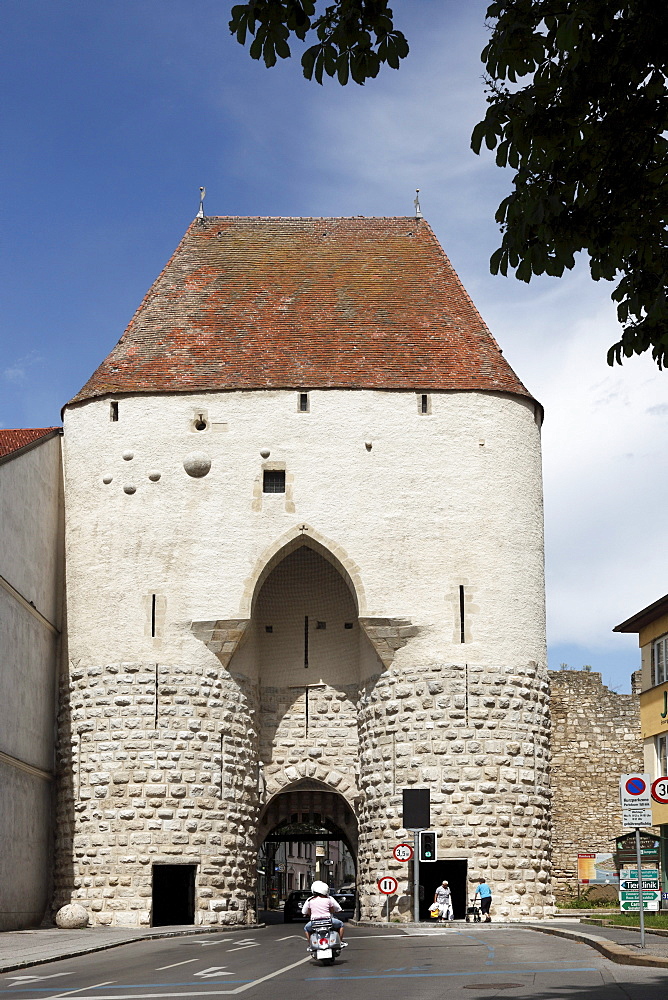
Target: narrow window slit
{"x":153,"y":597}
{"x":462,"y":622}
{"x":303,"y":402}
{"x":424,"y":404}
{"x":113,"y":411}
{"x":306,"y":641}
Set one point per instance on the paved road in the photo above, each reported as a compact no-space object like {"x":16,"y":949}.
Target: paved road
{"x":392,"y":964}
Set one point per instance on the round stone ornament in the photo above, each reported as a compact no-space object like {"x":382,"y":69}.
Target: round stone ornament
{"x":128,"y":456}
{"x":130,"y":489}
{"x":107,"y":479}
{"x":197,"y":464}
{"x":72,"y":916}
{"x":154,"y":475}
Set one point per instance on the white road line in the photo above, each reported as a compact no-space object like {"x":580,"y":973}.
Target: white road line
{"x":96,"y":986}
{"x":288,"y":936}
{"x":242,"y":947}
{"x":33,"y":979}
{"x":256,"y":982}
{"x":187,"y":962}
{"x":183,"y":995}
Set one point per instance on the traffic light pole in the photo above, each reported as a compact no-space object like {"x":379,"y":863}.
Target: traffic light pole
{"x":416,"y":875}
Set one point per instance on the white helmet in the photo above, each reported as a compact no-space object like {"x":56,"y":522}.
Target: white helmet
{"x":320,"y":888}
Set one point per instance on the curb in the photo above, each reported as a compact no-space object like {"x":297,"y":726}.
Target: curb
{"x":148,"y":936}
{"x":609,"y":949}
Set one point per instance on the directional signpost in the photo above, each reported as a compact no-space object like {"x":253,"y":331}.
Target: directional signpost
{"x":629,"y":891}
{"x":635,"y":794}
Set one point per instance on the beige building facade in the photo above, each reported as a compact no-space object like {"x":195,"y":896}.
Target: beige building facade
{"x":31,"y":588}
{"x":304,"y":572}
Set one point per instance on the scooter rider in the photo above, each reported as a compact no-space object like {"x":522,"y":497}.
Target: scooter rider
{"x":321,"y":905}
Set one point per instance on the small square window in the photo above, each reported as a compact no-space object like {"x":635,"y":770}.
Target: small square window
{"x":273,"y":481}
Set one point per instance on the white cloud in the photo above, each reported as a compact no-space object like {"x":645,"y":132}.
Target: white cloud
{"x":17,"y":370}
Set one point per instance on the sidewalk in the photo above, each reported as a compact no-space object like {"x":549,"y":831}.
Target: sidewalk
{"x":21,"y":949}
{"x":618,"y":944}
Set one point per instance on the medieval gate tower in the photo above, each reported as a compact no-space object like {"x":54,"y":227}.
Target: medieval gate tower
{"x":304,"y":572}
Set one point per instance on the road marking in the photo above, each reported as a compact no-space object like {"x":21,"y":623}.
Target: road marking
{"x":28,"y":979}
{"x":199,"y":993}
{"x":271,"y":975}
{"x":299,"y":937}
{"x":187,"y":962}
{"x":440,"y":975}
{"x":57,"y":996}
{"x":213,"y":970}
{"x":255,"y":944}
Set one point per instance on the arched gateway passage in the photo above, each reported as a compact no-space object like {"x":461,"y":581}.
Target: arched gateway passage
{"x":305,"y":832}
{"x":304,"y":644}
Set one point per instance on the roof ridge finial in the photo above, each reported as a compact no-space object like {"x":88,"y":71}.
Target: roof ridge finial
{"x":418,"y":210}
{"x":202,"y":196}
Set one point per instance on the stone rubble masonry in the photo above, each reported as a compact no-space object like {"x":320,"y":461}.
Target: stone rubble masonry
{"x":455,"y":728}
{"x":595,"y":738}
{"x":133,"y":794}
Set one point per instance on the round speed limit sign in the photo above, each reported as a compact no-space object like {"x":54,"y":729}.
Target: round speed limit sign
{"x":403,"y":852}
{"x":660,"y":790}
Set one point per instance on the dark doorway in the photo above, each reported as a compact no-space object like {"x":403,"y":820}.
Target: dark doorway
{"x":173,"y":894}
{"x":433,"y":874}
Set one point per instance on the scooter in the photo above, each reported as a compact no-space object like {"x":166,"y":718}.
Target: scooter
{"x":324,"y":942}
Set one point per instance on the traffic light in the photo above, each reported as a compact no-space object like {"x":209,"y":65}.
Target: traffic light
{"x":428,"y":845}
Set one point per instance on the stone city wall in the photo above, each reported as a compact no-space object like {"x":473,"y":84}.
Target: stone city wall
{"x":595,"y":738}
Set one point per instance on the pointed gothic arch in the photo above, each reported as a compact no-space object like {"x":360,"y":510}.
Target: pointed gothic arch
{"x":302,"y":535}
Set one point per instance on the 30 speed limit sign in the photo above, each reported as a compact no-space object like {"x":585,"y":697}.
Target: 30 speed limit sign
{"x":403,"y":852}
{"x":660,"y":790}
{"x":388,"y":884}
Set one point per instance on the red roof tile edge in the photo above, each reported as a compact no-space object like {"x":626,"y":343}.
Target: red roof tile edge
{"x":15,"y":440}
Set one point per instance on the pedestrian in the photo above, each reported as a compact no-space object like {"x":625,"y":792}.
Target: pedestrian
{"x":485,"y":894}
{"x":443,"y":899}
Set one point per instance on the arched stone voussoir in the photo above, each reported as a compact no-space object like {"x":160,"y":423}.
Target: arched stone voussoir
{"x":284,"y":779}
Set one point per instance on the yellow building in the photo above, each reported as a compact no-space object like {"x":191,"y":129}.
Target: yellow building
{"x":651,"y":625}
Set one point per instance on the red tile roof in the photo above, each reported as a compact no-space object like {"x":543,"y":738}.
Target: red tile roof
{"x":258,"y":303}
{"x":14,"y":440}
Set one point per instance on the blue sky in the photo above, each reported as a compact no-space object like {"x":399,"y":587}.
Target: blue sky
{"x":114,"y":113}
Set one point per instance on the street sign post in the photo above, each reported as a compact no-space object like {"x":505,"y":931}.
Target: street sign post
{"x":636,"y":799}
{"x":388,"y":885}
{"x":635,"y":795}
{"x":403,"y":852}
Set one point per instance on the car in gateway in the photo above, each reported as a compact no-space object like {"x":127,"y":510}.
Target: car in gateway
{"x":346,"y":898}
{"x":293,"y":905}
